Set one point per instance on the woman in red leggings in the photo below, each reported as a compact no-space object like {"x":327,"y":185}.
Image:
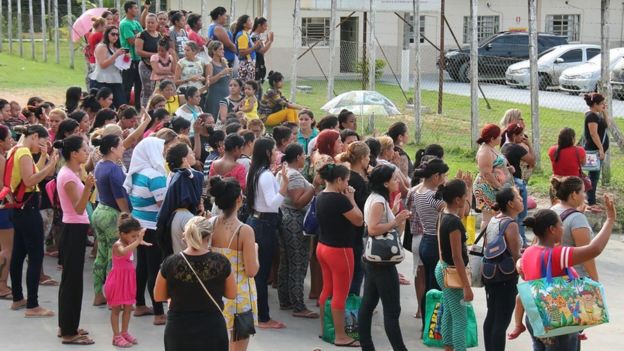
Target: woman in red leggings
{"x":338,"y":216}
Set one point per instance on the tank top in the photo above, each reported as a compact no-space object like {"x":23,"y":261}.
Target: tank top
{"x":110,"y":74}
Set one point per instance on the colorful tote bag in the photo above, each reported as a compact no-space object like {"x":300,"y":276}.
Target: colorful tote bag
{"x":434,"y":310}
{"x":352,"y":307}
{"x":562,"y":305}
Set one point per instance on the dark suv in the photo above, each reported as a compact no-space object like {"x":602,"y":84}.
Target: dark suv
{"x":496,"y":53}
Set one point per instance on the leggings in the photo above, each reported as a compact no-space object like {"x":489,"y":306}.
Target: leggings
{"x":27,"y":242}
{"x":455,"y":316}
{"x":294,"y":251}
{"x":429,"y":257}
{"x":73,"y":242}
{"x":594,"y":176}
{"x":285,"y":115}
{"x":105,"y":227}
{"x":337,"y":267}
{"x":149,"y":259}
{"x":501,"y":299}
{"x":147,"y":84}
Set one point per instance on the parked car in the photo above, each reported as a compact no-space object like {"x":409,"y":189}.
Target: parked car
{"x":496,"y":53}
{"x":585,"y":78}
{"x":550,"y":64}
{"x":617,"y":80}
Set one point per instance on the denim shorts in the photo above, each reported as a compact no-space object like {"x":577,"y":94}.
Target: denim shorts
{"x":6,"y":218}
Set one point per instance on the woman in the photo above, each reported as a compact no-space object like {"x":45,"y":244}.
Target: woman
{"x":93,"y":38}
{"x":6,"y":224}
{"x":182,"y":201}
{"x":90,"y":105}
{"x":294,"y":246}
{"x":163,"y":23}
{"x":430,"y":152}
{"x":264,"y":197}
{"x":178,"y":34}
{"x":103,"y":118}
{"x":105,"y":73}
{"x":113,"y":200}
{"x":274,"y":108}
{"x":425,"y":210}
{"x":195,"y":26}
{"x":83,"y":121}
{"x":218,"y":73}
{"x":548,"y":229}
{"x":387,"y":156}
{"x":105,"y":98}
{"x":190,"y":70}
{"x":501,"y":291}
{"x":493,"y":172}
{"x":246,"y":49}
{"x":216,"y":142}
{"x":566,"y":158}
{"x":236,"y":241}
{"x":338,"y":216}
{"x":195,"y":321}
{"x":307,"y":130}
{"x":160,"y":118}
{"x":163,"y":63}
{"x":348,"y":120}
{"x":230,"y":103}
{"x":516,"y":153}
{"x":511,"y":116}
{"x":146,"y":185}
{"x":192,"y":109}
{"x":173,"y":101}
{"x":596,"y":138}
{"x":282,"y":136}
{"x":27,"y":221}
{"x":156,"y":102}
{"x":452,"y":236}
{"x":73,"y":95}
{"x":217,"y":31}
{"x":55,"y":118}
{"x":226,"y":166}
{"x":357,"y":157}
{"x":73,"y":197}
{"x":400,"y":136}
{"x":260,"y":27}
{"x":382,"y":281}
{"x":146,"y":45}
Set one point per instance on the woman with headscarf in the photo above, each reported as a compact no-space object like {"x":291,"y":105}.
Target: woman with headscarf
{"x":146,"y":184}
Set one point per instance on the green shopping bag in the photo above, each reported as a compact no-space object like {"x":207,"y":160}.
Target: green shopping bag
{"x":434,"y":310}
{"x":562,"y":305}
{"x":352,"y":307}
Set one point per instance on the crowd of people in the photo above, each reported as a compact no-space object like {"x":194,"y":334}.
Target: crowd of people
{"x":167,"y":161}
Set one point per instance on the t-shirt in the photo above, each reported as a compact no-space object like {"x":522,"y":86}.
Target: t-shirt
{"x":514,"y":153}
{"x":244,"y":42}
{"x":192,"y":35}
{"x":245,"y":161}
{"x":180,"y":39}
{"x":161,"y":64}
{"x":190,"y":69}
{"x":591,"y":117}
{"x":425,"y":210}
{"x":374,"y":198}
{"x":148,"y":187}
{"x":296,"y":180}
{"x":178,"y":222}
{"x":232,"y":105}
{"x":532,"y":261}
{"x":16,"y":175}
{"x":569,"y":160}
{"x":186,"y":293}
{"x":65,"y":176}
{"x":94,"y":38}
{"x":109,"y":179}
{"x":335,"y":229}
{"x":128,"y":29}
{"x":573,"y":221}
{"x":150,"y":44}
{"x":303,"y":141}
{"x":448,"y":224}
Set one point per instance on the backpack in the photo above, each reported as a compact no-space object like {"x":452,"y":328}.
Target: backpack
{"x":9,"y":198}
{"x":498,"y":264}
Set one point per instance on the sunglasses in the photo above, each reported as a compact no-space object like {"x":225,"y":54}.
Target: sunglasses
{"x":114,"y":34}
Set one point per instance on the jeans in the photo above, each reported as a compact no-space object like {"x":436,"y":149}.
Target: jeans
{"x":381,"y":282}
{"x":265,"y":229}
{"x":501,"y":298}
{"x":149,"y":259}
{"x":73,"y":242}
{"x":567,"y":342}
{"x":358,"y":269}
{"x":522,"y":189}
{"x":132,"y":78}
{"x":27,"y":242}
{"x":429,"y":256}
{"x":594,"y":176}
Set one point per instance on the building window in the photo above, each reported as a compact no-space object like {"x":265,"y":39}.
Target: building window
{"x":408,"y":30}
{"x":565,"y":25}
{"x":315,"y":29}
{"x":486,"y":27}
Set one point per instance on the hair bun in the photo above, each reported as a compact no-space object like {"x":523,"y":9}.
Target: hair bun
{"x":529,"y":222}
{"x":217,"y":186}
{"x":124,"y":216}
{"x":58,"y":144}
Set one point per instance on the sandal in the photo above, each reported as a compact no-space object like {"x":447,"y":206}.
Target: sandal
{"x":271,"y":324}
{"x":352,"y":343}
{"x":160,"y":320}
{"x":286,"y":307}
{"x":306,"y":314}
{"x":7,"y":295}
{"x":129,"y":338}
{"x":143,"y":311}
{"x":403,"y":280}
{"x":81,"y":332}
{"x":78,"y":340}
{"x":120,"y":341}
{"x":18,"y":305}
{"x":48,"y":282}
{"x":38,"y":312}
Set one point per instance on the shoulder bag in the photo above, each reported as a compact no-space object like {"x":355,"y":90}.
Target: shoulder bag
{"x":243,"y":322}
{"x":498,"y":263}
{"x":586,"y":181}
{"x":202,"y":284}
{"x":451,"y":275}
{"x":385,"y":249}
{"x":592,"y":159}
{"x":475,"y":258}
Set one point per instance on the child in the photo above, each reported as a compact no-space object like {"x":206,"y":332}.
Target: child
{"x":163,"y":63}
{"x":249,"y":105}
{"x":120,"y":286}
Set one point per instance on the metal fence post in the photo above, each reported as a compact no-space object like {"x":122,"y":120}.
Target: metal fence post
{"x":371,"y":46}
{"x":233,"y":10}
{"x":605,"y":81}
{"x":332,"y":50}
{"x":31,"y":22}
{"x":84,"y":5}
{"x":417,"y":97}
{"x":2,"y":21}
{"x":44,"y":29}
{"x":157,"y":6}
{"x":265,"y":9}
{"x":100,"y":3}
{"x":533,"y":78}
{"x":10,"y":25}
{"x":474,"y":74}
{"x":19,"y":28}
{"x":69,"y":39}
{"x":57,"y":49}
{"x":441,"y":68}
{"x":296,"y":45}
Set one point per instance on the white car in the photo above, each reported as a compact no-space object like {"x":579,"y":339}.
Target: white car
{"x":550,"y":64}
{"x":584,"y":78}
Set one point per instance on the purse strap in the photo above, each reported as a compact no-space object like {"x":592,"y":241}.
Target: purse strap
{"x":237,"y":263}
{"x":580,"y":168}
{"x":438,"y":234}
{"x":202,"y":284}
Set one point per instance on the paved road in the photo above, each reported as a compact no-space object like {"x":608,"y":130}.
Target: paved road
{"x":18,"y":333}
{"x":552,"y":99}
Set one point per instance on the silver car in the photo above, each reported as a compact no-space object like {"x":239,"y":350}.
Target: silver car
{"x":550,"y":64}
{"x":585,"y":78}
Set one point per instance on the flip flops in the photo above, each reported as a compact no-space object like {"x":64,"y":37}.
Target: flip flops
{"x":352,"y":343}
{"x":306,"y":314}
{"x":48,"y":282}
{"x":79,"y":340}
{"x":40,"y":313}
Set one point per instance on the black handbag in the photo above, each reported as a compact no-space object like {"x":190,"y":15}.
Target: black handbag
{"x":243,"y":322}
{"x":385,"y":249}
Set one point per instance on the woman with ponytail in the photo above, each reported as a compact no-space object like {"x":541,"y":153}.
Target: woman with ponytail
{"x":73,"y":197}
{"x":596,"y":138}
{"x":274,"y":108}
{"x":194,"y":319}
{"x":6,"y":224}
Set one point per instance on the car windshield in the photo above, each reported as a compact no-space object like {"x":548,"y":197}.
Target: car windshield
{"x":614,"y":56}
{"x":549,"y":51}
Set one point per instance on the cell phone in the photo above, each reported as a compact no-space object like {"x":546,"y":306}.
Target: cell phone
{"x":126,"y":50}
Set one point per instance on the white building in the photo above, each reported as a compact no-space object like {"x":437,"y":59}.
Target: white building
{"x":579,"y":20}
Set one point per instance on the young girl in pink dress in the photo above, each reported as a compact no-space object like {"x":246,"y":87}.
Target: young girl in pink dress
{"x":120,"y":287}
